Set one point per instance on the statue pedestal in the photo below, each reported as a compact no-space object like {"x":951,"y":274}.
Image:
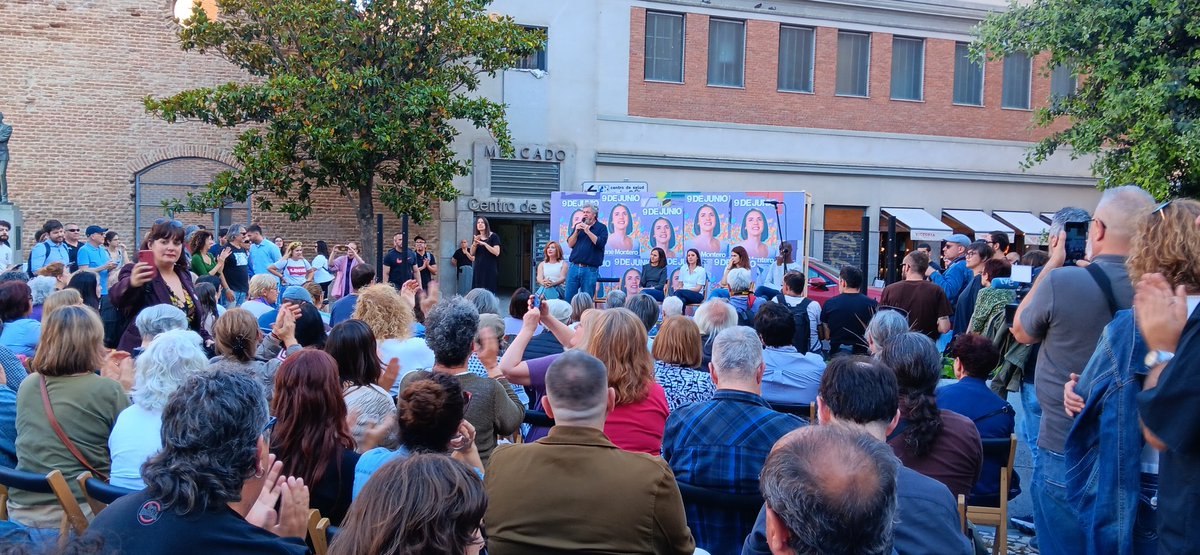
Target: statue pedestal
{"x":11,"y":214}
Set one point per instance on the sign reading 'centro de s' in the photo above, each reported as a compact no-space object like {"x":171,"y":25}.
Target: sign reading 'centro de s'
{"x":501,"y":206}
{"x":544,"y":154}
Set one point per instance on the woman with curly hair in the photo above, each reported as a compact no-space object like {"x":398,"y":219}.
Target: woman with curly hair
{"x":390,"y":316}
{"x":426,"y":503}
{"x":311,"y":436}
{"x":940,"y":444}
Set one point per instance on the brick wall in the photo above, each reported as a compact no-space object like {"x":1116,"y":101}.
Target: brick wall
{"x":760,"y":102}
{"x":72,"y":78}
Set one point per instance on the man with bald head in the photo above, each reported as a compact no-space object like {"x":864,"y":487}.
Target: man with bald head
{"x":1066,"y":310}
{"x":573,"y":490}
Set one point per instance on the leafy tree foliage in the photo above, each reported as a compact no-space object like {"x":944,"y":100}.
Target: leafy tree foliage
{"x":359,"y":97}
{"x":1138,"y":97}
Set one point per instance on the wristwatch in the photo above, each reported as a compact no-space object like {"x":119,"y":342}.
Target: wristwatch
{"x":1154,"y":358}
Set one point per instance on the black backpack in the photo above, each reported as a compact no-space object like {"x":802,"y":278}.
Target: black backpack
{"x":745,"y":318}
{"x":802,"y":339}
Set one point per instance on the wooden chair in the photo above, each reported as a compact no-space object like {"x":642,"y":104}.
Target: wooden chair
{"x":97,"y":493}
{"x":805,"y":411}
{"x":598,"y":296}
{"x":318,"y":534}
{"x":52,"y":483}
{"x":1002,"y":451}
{"x":689,"y":309}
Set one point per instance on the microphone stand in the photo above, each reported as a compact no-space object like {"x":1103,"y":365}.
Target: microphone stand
{"x":782,"y":238}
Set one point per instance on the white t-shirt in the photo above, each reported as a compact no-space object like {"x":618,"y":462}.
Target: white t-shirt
{"x":552,"y":270}
{"x":257,"y":308}
{"x":693,"y":278}
{"x":322,"y":275}
{"x":295,"y":272}
{"x":135,"y":437}
{"x":414,"y":354}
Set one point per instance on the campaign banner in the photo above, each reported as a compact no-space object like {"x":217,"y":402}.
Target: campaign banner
{"x":621,"y":212}
{"x":565,"y":212}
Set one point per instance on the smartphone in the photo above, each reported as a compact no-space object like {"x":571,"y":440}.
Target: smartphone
{"x":1077,"y":233}
{"x":537,"y":301}
{"x":147,"y":257}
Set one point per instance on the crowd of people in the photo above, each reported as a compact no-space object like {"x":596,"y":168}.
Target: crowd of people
{"x":230,"y":385}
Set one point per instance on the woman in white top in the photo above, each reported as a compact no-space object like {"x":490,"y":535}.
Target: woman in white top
{"x":293,"y":269}
{"x":320,"y":264}
{"x":694,"y":278}
{"x":263,"y":295}
{"x":389,"y":314}
{"x":166,"y":363}
{"x":552,"y":272}
{"x":772,"y":276}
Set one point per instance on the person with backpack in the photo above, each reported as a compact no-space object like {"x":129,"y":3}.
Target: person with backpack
{"x":789,"y":376}
{"x":52,"y":249}
{"x":743,"y":301}
{"x":805,"y":312}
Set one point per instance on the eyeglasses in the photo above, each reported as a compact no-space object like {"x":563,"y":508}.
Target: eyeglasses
{"x":74,"y":230}
{"x":161,"y":221}
{"x":972,"y":253}
{"x":1161,"y":209}
{"x":266,"y":431}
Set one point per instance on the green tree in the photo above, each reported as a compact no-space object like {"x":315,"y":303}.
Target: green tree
{"x":358,"y":97}
{"x":1138,"y":63}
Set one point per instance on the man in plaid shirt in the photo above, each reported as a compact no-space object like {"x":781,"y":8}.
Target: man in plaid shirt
{"x":721,"y":445}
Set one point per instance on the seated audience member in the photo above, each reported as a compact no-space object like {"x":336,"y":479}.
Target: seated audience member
{"x":740,"y":297}
{"x":294,"y":297}
{"x":84,"y":404}
{"x":791,"y":377}
{"x":580,"y":303}
{"x":677,"y":353}
{"x":71,"y":297}
{"x":646,"y":309}
{"x":343,"y":309}
{"x":974,"y":359}
{"x":860,"y":395}
{"x":429,"y":419}
{"x":846,"y":315}
{"x":885,"y":325}
{"x":165,"y":364}
{"x":494,"y":409}
{"x":41,"y":287}
{"x":720,"y":444}
{"x":636,"y":423}
{"x":352,"y":346}
{"x":57,"y":271}
{"x":88,"y":286}
{"x":390,"y":316}
{"x":312,"y":437}
{"x":213,"y":487}
{"x":318,"y":297}
{"x":155,"y":320}
{"x":240,"y":345}
{"x":844,"y":481}
{"x":793,"y":297}
{"x":21,"y":332}
{"x":615,"y":299}
{"x":545,"y":343}
{"x":263,"y":296}
{"x":937,"y":443}
{"x":489,"y":343}
{"x":425,"y":503}
{"x":207,"y":295}
{"x":988,"y":316}
{"x":8,"y":418}
{"x":672,"y":306}
{"x":485,"y":301}
{"x":713,"y":317}
{"x":516,"y":309}
{"x":535,"y":489}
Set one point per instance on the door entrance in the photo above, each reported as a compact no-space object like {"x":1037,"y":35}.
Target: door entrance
{"x":522,"y":243}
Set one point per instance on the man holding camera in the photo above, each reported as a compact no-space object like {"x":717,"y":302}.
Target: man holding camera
{"x":1066,"y":310}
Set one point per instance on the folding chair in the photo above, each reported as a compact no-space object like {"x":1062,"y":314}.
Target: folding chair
{"x":1003,"y":451}
{"x":97,"y":493}
{"x":52,"y":483}
{"x":317,"y":532}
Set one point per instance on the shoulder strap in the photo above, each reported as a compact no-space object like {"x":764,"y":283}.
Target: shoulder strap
{"x":1007,"y":408}
{"x":804,"y":302}
{"x":1102,"y":280}
{"x":62,"y":436}
{"x":900,"y":428}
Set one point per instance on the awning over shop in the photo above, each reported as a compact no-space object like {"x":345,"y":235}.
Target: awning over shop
{"x":1048,"y":216}
{"x":1035,"y":230}
{"x":978,"y":222}
{"x":921,"y":225}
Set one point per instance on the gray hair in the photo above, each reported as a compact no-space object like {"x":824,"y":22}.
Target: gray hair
{"x":1122,"y":207}
{"x":615,"y":299}
{"x":595,"y":208}
{"x":737,"y":353}
{"x":559,"y":309}
{"x":834,"y":490}
{"x":715,"y":315}
{"x":164,"y":365}
{"x":160,"y":318}
{"x":235,"y":230}
{"x":739,"y":280}
{"x":1067,"y":215}
{"x":14,"y":275}
{"x":450,"y":329}
{"x":485,"y":301}
{"x":577,"y":386}
{"x":646,"y":309}
{"x":210,"y":431}
{"x":672,"y":306}
{"x":579,"y":303}
{"x":493,"y":321}
{"x":885,"y":325}
{"x":42,"y":287}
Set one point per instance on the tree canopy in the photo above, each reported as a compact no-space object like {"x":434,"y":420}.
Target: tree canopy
{"x":1137,"y":100}
{"x":358,"y":97}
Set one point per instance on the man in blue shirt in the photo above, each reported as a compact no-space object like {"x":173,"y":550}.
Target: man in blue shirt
{"x":52,"y":250}
{"x":791,"y":377}
{"x":263,"y":253}
{"x":93,"y":256}
{"x":721,"y":444}
{"x":587,"y":242}
{"x":957,"y":275}
{"x":343,"y":309}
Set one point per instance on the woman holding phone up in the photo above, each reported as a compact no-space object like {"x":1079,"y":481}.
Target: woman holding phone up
{"x":160,"y":276}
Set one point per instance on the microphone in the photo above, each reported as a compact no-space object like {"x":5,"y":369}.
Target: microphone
{"x":773,"y":202}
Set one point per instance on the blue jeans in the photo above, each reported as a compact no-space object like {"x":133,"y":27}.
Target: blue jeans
{"x":238,"y":298}
{"x":657,"y":294}
{"x":581,"y":279}
{"x":765,"y":292}
{"x":1031,"y":419}
{"x":1145,"y":528}
{"x":1058,"y":530}
{"x":689,"y":297}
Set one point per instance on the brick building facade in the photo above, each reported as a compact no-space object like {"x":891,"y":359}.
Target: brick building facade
{"x":72,"y":79}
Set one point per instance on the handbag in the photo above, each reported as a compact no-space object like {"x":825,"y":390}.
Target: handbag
{"x":62,"y":436}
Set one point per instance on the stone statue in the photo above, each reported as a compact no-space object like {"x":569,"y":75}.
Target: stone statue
{"x":5,"y":133}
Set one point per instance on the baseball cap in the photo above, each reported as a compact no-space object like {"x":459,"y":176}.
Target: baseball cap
{"x":959,"y":238}
{"x":559,"y":309}
{"x":297,"y":293}
{"x":95,"y":229}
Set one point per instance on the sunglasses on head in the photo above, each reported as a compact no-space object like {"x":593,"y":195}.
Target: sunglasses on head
{"x":266,"y":431}
{"x":1161,"y":209}
{"x":161,"y":221}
